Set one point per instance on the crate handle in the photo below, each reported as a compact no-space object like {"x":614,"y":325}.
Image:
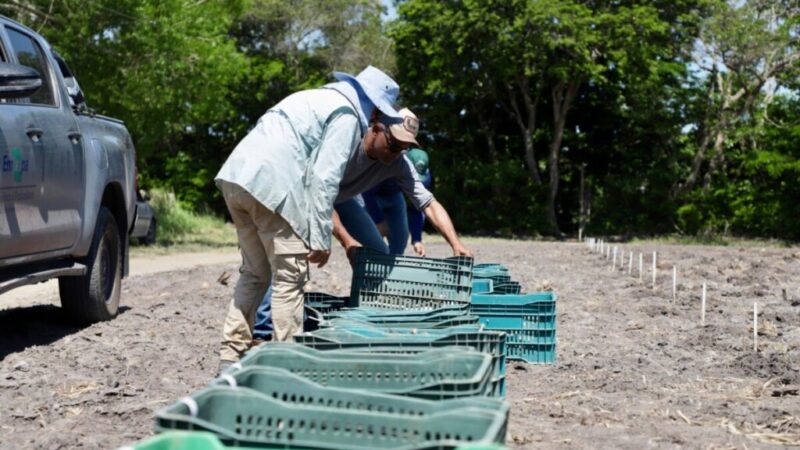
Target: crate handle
{"x":227,"y":377}
{"x":191,"y":404}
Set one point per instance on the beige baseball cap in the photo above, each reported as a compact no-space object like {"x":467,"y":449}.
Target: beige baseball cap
{"x":406,"y":131}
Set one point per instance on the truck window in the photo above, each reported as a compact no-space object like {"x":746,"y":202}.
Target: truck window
{"x":29,"y":54}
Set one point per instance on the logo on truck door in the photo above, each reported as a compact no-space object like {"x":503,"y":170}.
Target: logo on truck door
{"x":15,"y":164}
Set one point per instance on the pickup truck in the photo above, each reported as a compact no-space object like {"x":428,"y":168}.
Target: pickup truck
{"x":67,"y":184}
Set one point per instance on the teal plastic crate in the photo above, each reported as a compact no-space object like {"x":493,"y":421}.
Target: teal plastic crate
{"x":500,"y":321}
{"x":532,"y":303}
{"x":530,"y":336}
{"x":507,"y":287}
{"x":287,"y":387}
{"x":492,"y":342}
{"x":490,"y":266}
{"x":436,"y":374}
{"x":482,"y":286}
{"x":403,"y":282}
{"x":532,"y":353}
{"x":243,"y":417}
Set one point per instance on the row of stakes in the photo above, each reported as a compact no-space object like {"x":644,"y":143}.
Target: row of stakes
{"x":603,"y":248}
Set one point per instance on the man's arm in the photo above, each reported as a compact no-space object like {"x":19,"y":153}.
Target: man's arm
{"x":348,"y":241}
{"x":438,"y":216}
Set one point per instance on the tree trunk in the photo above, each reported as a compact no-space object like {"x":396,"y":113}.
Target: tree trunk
{"x":563,"y":95}
{"x":526,"y":127}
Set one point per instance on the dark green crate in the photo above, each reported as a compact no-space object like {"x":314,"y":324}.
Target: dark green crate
{"x":386,"y":316}
{"x":441,"y":373}
{"x":390,"y":281}
{"x":244,"y":417}
{"x":445,"y":322}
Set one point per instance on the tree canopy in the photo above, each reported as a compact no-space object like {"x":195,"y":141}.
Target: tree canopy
{"x":541,"y":117}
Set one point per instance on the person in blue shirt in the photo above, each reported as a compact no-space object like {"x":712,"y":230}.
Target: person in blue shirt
{"x":280,"y":184}
{"x":386,"y":206}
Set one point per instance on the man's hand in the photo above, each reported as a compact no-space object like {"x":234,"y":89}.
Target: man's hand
{"x":419,"y":248}
{"x":319,"y":257}
{"x":383,"y":228}
{"x":460,"y":250}
{"x":350,"y":250}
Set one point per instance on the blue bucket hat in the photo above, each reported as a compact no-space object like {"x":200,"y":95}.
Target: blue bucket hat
{"x":380,"y":88}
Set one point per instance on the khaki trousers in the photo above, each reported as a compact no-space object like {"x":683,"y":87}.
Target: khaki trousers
{"x":269,"y":248}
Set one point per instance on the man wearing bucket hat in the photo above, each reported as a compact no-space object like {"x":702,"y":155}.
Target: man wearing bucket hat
{"x":367,"y":167}
{"x":280,"y":183}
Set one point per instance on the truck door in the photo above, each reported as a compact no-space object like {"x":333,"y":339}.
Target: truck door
{"x":56,"y":157}
{"x":20,"y":177}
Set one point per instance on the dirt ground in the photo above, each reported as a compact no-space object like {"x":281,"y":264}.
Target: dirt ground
{"x":634,"y":369}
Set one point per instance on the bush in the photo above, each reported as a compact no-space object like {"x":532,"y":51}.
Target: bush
{"x":178,"y":224}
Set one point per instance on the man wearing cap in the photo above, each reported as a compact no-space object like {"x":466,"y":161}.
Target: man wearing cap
{"x":280,"y":184}
{"x":368,"y":169}
{"x":370,"y":165}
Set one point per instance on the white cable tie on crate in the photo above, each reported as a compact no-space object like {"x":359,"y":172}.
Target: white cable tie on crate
{"x":229,"y":378}
{"x":236,"y":366}
{"x":191,"y":404}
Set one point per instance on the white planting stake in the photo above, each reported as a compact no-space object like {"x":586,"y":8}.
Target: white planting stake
{"x":703,"y":307}
{"x":600,"y":248}
{"x":755,"y":326}
{"x":614,"y":261}
{"x":608,"y":251}
{"x":654,"y":271}
{"x":630,"y":263}
{"x":622,"y":259}
{"x":641,"y":260}
{"x":674,"y":283}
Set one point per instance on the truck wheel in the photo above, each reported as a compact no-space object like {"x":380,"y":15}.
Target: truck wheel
{"x":150,"y":237}
{"x":94,"y":297}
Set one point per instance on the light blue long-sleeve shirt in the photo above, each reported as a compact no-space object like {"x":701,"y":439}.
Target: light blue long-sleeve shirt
{"x":294,"y":158}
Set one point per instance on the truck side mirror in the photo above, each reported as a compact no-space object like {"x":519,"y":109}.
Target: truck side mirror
{"x":18,"y":81}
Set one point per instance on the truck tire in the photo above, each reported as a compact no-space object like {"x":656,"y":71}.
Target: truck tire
{"x":94,"y":297}
{"x":150,"y":237}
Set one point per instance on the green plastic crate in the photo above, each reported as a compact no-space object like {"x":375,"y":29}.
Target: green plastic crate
{"x":200,"y":440}
{"x":285,"y":386}
{"x":492,"y":342}
{"x":403,"y":282}
{"x":436,"y":374}
{"x":454,"y":321}
{"x":243,"y":417}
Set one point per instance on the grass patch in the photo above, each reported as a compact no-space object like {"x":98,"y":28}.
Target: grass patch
{"x":181,"y":228}
{"x":714,"y":240}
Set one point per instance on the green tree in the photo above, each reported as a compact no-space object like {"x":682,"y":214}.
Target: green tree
{"x":529,"y":61}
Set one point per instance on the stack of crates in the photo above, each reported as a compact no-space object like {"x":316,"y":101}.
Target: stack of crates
{"x":529,"y":320}
{"x":294,"y":397}
{"x":399,"y":364}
